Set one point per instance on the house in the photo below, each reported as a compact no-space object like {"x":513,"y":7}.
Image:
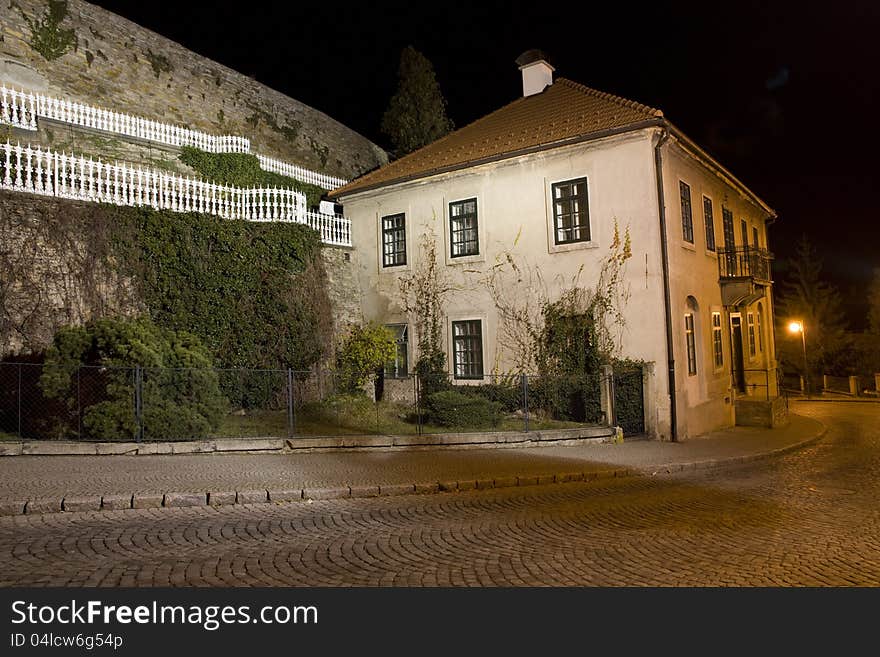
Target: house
{"x":543,"y":181}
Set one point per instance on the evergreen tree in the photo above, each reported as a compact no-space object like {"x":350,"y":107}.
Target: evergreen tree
{"x":416,"y":115}
{"x":806,"y":296}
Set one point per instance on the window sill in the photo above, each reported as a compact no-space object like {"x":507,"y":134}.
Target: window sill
{"x":573,"y":246}
{"x":464,"y":260}
{"x":687,"y":246}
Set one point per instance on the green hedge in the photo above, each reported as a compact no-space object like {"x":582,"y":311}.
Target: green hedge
{"x":254,"y":293}
{"x":450,"y":408}
{"x":243,"y":170}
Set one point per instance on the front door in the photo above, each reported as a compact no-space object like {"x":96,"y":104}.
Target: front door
{"x":736,"y":337}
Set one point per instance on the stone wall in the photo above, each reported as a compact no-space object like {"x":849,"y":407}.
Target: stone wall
{"x":117,"y":64}
{"x":53,"y":273}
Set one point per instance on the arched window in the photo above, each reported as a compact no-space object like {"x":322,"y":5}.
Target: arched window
{"x":691,"y":326}
{"x":760,"y":327}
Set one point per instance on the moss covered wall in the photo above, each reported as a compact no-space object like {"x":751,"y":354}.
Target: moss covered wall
{"x":117,"y":64}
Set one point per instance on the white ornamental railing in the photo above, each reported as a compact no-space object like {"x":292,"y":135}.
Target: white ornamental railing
{"x":39,"y":171}
{"x":21,"y":109}
{"x":297,"y":172}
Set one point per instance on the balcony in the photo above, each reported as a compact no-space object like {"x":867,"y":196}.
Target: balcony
{"x":743,"y":273}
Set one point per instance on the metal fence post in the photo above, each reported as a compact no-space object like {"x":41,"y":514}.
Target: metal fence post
{"x":525,"y":390}
{"x":291,"y":418}
{"x":417,"y":384}
{"x":138,"y":403}
{"x":19,"y":401}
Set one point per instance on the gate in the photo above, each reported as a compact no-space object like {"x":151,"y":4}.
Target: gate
{"x":629,"y":402}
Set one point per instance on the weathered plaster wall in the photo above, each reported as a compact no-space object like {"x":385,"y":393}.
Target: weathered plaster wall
{"x":122,"y":66}
{"x":515,"y":217}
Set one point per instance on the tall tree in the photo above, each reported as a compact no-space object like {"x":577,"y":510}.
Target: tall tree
{"x":807,"y":297}
{"x":416,"y":115}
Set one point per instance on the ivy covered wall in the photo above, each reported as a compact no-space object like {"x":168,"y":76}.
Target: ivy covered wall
{"x":255,"y":293}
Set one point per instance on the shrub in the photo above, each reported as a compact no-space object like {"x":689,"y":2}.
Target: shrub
{"x":243,"y":170}
{"x":363,"y":351}
{"x":450,"y":408}
{"x":507,"y":392}
{"x":180,"y":393}
{"x":431,"y":370}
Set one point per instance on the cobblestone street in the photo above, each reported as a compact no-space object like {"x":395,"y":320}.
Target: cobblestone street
{"x":810,"y":517}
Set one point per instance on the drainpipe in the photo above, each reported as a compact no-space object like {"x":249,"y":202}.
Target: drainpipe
{"x":664,"y":250}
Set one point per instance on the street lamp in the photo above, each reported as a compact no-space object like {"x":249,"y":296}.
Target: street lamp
{"x":798,"y":327}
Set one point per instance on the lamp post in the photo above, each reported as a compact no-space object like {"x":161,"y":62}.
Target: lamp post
{"x":798,"y":327}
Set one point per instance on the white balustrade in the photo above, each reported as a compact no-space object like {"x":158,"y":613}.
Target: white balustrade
{"x":42,"y":171}
{"x":21,"y":109}
{"x":299,"y":173}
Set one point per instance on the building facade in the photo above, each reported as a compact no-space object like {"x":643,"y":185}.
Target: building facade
{"x":532,"y":196}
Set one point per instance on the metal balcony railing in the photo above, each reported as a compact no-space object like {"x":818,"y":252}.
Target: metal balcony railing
{"x":744,"y":262}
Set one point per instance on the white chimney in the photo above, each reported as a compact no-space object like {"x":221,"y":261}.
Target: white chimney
{"x":537,"y":74}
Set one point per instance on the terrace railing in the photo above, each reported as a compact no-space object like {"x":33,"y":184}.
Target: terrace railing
{"x":744,"y":262}
{"x":48,"y":173}
{"x":298,"y":173}
{"x":21,"y":109}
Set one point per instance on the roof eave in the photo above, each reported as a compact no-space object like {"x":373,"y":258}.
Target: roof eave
{"x":720,"y":169}
{"x":592,"y":136}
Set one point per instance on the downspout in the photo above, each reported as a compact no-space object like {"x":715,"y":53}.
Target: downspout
{"x":664,"y":251}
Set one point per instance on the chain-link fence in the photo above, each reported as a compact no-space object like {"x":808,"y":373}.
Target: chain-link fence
{"x":94,"y":403}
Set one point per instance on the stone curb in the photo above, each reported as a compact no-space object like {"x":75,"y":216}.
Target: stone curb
{"x":306,"y":444}
{"x":92,"y":503}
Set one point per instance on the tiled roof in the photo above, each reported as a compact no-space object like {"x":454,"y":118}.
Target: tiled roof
{"x":563,"y":111}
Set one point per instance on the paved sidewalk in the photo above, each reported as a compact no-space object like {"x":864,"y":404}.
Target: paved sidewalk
{"x":45,"y":484}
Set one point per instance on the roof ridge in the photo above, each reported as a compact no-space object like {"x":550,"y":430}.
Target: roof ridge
{"x":620,"y":100}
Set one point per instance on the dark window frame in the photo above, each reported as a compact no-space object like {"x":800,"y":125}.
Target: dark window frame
{"x":709,"y":220}
{"x":397,"y":233}
{"x":470,"y":345}
{"x":687,"y":215}
{"x":582,"y":212}
{"x":462,"y":219}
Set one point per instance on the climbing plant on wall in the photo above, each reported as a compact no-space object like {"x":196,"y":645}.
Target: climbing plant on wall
{"x":243,"y":170}
{"x":254,"y":293}
{"x":47,"y":36}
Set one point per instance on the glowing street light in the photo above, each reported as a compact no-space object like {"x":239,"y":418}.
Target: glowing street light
{"x":798,"y":327}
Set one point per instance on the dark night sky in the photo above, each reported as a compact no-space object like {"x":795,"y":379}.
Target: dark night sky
{"x":780,"y":93}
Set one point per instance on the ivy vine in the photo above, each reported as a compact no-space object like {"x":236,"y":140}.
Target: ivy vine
{"x":47,"y":36}
{"x":243,"y":170}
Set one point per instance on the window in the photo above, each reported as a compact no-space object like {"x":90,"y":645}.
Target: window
{"x":760,"y":330}
{"x":751,"y":325}
{"x":717,"y":341}
{"x":467,"y":349}
{"x":709,"y":218}
{"x":394,"y":240}
{"x":744,"y":228}
{"x":691,"y":344}
{"x":727,"y":218}
{"x":571,"y":211}
{"x":463,"y":228}
{"x":687,"y":220}
{"x":399,"y":367}
{"x":755,"y":236}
